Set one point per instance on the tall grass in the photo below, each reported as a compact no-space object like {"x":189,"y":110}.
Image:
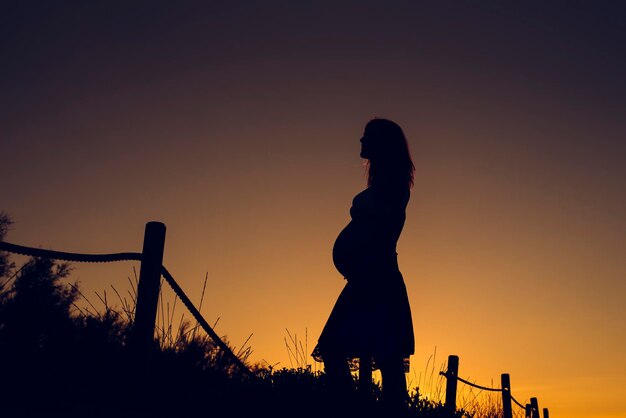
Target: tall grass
{"x":80,"y":363}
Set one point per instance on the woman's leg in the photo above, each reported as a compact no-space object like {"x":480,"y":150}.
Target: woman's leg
{"x":395,"y":395}
{"x":337,"y":372}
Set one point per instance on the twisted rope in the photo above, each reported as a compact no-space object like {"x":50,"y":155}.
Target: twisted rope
{"x":447,"y":375}
{"x":518,"y":404}
{"x":203,"y":323}
{"x":107,"y":258}
{"x":59,"y":255}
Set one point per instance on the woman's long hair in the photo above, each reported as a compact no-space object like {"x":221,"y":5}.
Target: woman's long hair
{"x":392,"y":164}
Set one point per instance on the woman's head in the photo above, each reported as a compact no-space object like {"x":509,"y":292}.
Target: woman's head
{"x":385,"y":147}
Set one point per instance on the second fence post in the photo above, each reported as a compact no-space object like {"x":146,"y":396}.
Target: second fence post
{"x":534,"y":404}
{"x":148,"y":287}
{"x":451,"y":375}
{"x":507,"y":410}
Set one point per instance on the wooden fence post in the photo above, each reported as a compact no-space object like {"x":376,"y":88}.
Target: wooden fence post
{"x":546,"y":414}
{"x":507,"y":411}
{"x":528,"y":410}
{"x":148,"y":287}
{"x":451,"y":375}
{"x":535,"y":407}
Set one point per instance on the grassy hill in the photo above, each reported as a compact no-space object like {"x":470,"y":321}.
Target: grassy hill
{"x":62,"y":356}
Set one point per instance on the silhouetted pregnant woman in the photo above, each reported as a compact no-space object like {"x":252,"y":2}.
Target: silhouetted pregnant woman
{"x":372,"y":316}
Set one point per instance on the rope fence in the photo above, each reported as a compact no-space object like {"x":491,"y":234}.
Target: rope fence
{"x":517,"y":402}
{"x":452,"y":377}
{"x":151,"y":271}
{"x":59,"y":255}
{"x":468,"y":383}
{"x":203,"y":323}
{"x":148,"y":289}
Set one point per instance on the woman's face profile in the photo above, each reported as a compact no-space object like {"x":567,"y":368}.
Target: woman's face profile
{"x":368,"y":143}
{"x":364,"y":150}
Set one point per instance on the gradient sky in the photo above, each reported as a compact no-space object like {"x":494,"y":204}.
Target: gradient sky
{"x":237,"y":125}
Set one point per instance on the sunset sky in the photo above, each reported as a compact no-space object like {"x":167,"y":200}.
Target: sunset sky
{"x":237,"y":124}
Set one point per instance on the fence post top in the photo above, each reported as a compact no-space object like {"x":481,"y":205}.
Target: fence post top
{"x":155,"y":225}
{"x":505,"y":380}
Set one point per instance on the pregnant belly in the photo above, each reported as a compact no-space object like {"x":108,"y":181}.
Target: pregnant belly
{"x":357,"y":254}
{"x":349,"y":251}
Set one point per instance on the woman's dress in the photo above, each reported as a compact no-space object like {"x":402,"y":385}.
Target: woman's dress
{"x":372,"y":316}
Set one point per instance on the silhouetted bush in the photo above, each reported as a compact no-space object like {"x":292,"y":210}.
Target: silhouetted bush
{"x":62,"y":360}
